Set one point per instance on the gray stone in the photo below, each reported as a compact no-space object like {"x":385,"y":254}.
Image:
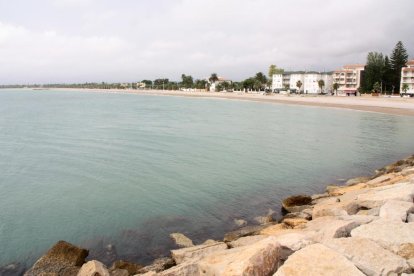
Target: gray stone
{"x":396,"y":210}
{"x":368,"y":256}
{"x":330,"y":227}
{"x":376,"y":197}
{"x":158,"y":265}
{"x":317,"y":259}
{"x":196,"y":252}
{"x":388,"y":233}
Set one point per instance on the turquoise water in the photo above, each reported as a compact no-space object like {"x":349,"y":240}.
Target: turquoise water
{"x":100,"y":168}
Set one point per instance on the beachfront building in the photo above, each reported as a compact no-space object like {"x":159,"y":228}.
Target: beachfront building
{"x":407,"y":78}
{"x":221,"y":80}
{"x":349,"y":78}
{"x":309,"y":80}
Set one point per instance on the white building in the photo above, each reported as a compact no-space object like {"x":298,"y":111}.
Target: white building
{"x":349,"y":78}
{"x":220,"y":80}
{"x":407,"y":78}
{"x":309,"y":80}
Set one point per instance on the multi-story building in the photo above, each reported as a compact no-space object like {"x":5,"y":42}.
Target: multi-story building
{"x":309,"y":80}
{"x":407,"y":79}
{"x":349,"y":78}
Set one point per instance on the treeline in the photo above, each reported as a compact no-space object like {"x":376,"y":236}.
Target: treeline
{"x":383,"y":73}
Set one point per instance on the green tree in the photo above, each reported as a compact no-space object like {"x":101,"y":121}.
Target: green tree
{"x":187,"y":81}
{"x":399,"y":58}
{"x":387,"y":75}
{"x":261,"y":78}
{"x":299,"y":85}
{"x":213,"y":78}
{"x":274,"y":70}
{"x":374,"y":70}
{"x":377,"y":87}
{"x":336,"y":87}
{"x":404,"y":87}
{"x":321,"y":84}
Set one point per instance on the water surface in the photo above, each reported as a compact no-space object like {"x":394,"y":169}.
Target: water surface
{"x":99,"y":168}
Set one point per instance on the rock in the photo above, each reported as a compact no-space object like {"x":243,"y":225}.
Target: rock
{"x":130,"y":267}
{"x":406,"y":251}
{"x":187,"y":268}
{"x":207,"y":242}
{"x":296,"y":203}
{"x":340,"y":190}
{"x":119,"y":272}
{"x":181,"y":240}
{"x":93,"y":268}
{"x":273,"y":229}
{"x":292,"y":242}
{"x":295,"y":222}
{"x":243,"y":232}
{"x":330,"y":227}
{"x":62,"y":256}
{"x":380,"y":179}
{"x":368,"y":256}
{"x":330,"y":209}
{"x":359,"y":219}
{"x":396,"y":210}
{"x":158,"y":265}
{"x":387,"y":233}
{"x":319,"y":196}
{"x":408,"y":172}
{"x":265,"y":219}
{"x":261,"y":258}
{"x":357,"y":180}
{"x":369,"y":212}
{"x":246,"y":241}
{"x":149,"y":273}
{"x":13,"y":269}
{"x":317,"y":259}
{"x":196,"y":252}
{"x":303,"y":215}
{"x":376,"y":197}
{"x":240,"y":222}
{"x":410,"y":218}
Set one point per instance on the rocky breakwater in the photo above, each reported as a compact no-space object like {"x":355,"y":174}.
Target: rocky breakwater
{"x":363,"y":228}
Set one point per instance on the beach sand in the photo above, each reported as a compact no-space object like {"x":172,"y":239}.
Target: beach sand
{"x":383,"y":104}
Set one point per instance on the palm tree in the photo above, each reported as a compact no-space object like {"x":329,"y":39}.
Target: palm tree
{"x":213,"y":78}
{"x":321,"y":84}
{"x":299,"y":85}
{"x":336,"y":87}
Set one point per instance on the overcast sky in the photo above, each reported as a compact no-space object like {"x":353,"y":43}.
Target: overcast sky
{"x":46,"y":41}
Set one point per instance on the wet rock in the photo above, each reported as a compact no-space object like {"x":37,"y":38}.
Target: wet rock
{"x":119,"y":272}
{"x":261,"y":258}
{"x":196,"y":252}
{"x":296,"y":203}
{"x":396,"y":210}
{"x":317,"y":259}
{"x":62,"y":256}
{"x":181,"y":240}
{"x":302,"y":215}
{"x":243,"y":232}
{"x":158,"y":265}
{"x":93,"y":268}
{"x":357,"y":180}
{"x":368,"y":256}
{"x":13,"y":269}
{"x":128,"y":266}
{"x":240,"y":222}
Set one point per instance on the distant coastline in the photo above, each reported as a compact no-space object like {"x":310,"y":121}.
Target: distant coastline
{"x":386,"y":105}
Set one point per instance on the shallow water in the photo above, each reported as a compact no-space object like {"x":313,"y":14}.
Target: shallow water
{"x":99,"y":168}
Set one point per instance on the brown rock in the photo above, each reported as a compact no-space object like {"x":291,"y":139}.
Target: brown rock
{"x":196,"y":252}
{"x":130,"y":267}
{"x":274,"y":229}
{"x":158,"y":265}
{"x":243,"y":232}
{"x":62,"y":256}
{"x":295,"y":222}
{"x":406,"y":251}
{"x":296,"y":203}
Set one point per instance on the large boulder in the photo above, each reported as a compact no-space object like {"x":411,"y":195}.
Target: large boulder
{"x":243,"y":232}
{"x":368,"y":256}
{"x":396,"y":210}
{"x":376,"y":197}
{"x":389,"y":234}
{"x":317,"y":259}
{"x":243,"y":241}
{"x":196,"y":252}
{"x":292,"y":242}
{"x":158,"y":265}
{"x":181,"y":240}
{"x":295,"y":222}
{"x":93,"y":268}
{"x":261,"y":258}
{"x":296,"y":203}
{"x":62,"y":258}
{"x":327,"y":228}
{"x":357,"y":180}
{"x":274,"y":229}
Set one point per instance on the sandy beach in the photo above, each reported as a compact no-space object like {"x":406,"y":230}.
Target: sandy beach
{"x":383,"y":104}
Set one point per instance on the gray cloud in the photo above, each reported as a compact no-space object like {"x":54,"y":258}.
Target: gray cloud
{"x":103,"y":40}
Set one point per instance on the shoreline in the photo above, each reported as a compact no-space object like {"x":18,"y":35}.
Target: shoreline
{"x":385,"y":105}
{"x":332,"y":223}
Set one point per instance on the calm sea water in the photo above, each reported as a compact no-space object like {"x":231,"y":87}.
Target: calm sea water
{"x":99,"y":168}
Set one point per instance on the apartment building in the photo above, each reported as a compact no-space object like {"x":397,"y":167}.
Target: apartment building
{"x":349,"y":78}
{"x":309,"y":80}
{"x":407,"y":78}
